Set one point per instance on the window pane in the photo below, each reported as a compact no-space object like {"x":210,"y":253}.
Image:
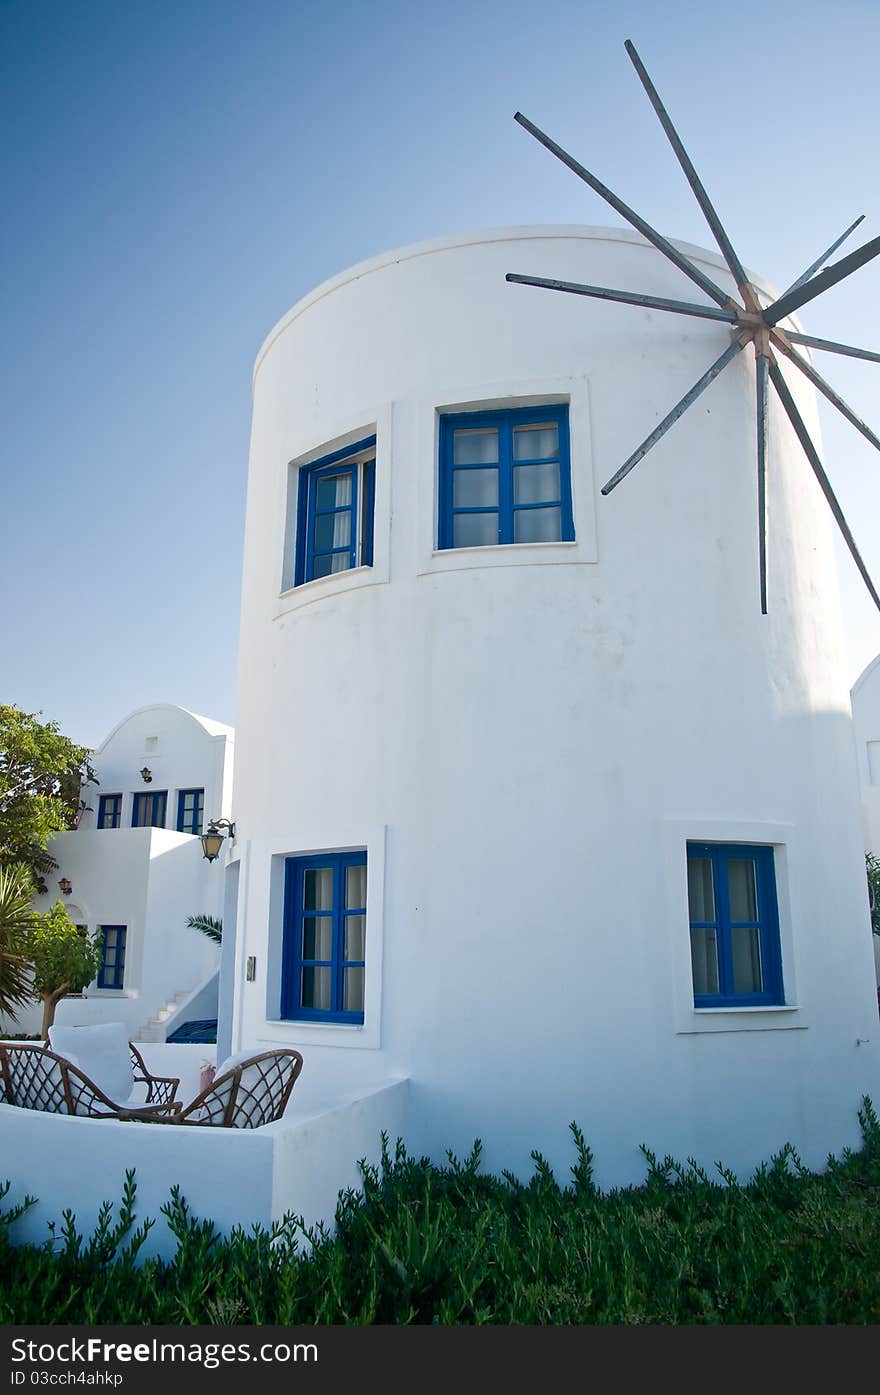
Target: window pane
{"x":741,"y":884}
{"x":535,"y":442}
{"x":475,"y":447}
{"x":473,"y":489}
{"x":536,"y":484}
{"x":317,"y":937}
{"x":332,"y":530}
{"x":316,"y":989}
{"x":704,"y":960}
{"x":746,"y":947}
{"x":537,"y":525}
{"x":701,"y":894}
{"x":340,"y":561}
{"x":355,"y":930}
{"x":318,"y":889}
{"x":353,"y":990}
{"x":322,"y":566}
{"x":333,"y":491}
{"x":355,"y":888}
{"x":474,"y":529}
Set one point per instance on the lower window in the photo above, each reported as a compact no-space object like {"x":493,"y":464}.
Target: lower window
{"x":734,"y":925}
{"x":325,"y":915}
{"x":148,"y":810}
{"x":112,"y":971}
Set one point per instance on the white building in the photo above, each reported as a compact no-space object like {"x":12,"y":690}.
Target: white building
{"x":534,"y":807}
{"x":134,"y":870}
{"x":866,"y":728}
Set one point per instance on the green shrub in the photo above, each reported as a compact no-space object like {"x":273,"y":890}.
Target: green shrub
{"x":451,"y":1244}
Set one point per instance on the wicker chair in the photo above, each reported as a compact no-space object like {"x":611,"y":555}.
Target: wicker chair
{"x":161,"y":1089}
{"x":35,"y":1078}
{"x":254,"y":1092}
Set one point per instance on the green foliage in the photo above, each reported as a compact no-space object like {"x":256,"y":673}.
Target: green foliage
{"x":62,"y":958}
{"x":872,"y":866}
{"x":209,"y":925}
{"x":429,"y":1244}
{"x":15,"y":922}
{"x":41,"y":777}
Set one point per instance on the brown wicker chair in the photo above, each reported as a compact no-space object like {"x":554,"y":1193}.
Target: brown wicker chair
{"x":254,"y":1092}
{"x":161,"y":1089}
{"x":35,"y":1078}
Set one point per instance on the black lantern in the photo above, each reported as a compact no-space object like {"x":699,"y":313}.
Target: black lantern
{"x":66,"y":886}
{"x":146,"y":775}
{"x":212,"y":840}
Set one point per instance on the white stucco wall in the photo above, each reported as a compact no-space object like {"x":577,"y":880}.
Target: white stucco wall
{"x":866,"y":733}
{"x":525,"y":738}
{"x":147,"y":879}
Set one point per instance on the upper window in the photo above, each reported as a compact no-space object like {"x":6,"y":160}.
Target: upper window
{"x":325,"y":916}
{"x":734,"y":922}
{"x":110,"y":811}
{"x":190,"y":811}
{"x":112,"y":971}
{"x":505,"y":477}
{"x":148,"y":809}
{"x":335,"y":500}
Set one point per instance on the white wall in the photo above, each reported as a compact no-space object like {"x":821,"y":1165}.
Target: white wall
{"x":866,"y":733}
{"x":525,"y":738}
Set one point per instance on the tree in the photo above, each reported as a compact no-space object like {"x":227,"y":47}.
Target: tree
{"x":15,"y":920}
{"x":42,"y":774}
{"x":872,"y":865}
{"x":63,"y":959}
{"x":208,"y":925}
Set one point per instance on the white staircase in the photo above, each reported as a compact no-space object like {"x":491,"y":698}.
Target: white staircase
{"x":154,"y":1030}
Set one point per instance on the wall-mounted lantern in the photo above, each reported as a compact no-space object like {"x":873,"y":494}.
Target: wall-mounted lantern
{"x":212,"y":840}
{"x":66,"y":886}
{"x":146,"y":775}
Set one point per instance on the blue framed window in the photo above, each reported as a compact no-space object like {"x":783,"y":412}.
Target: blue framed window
{"x":112,"y":971}
{"x":335,"y":504}
{"x":190,"y":811}
{"x":325,"y":918}
{"x":110,"y":811}
{"x":148,"y":809}
{"x":734,"y":925}
{"x":505,"y":477}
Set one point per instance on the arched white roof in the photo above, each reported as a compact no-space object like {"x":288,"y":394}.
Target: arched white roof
{"x":208,"y":724}
{"x":864,"y":675}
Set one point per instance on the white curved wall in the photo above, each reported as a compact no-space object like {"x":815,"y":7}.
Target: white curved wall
{"x":525,"y":738}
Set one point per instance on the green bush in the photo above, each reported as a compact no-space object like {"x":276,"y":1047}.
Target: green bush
{"x":429,"y":1244}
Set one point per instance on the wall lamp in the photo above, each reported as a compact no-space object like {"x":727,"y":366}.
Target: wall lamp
{"x":212,"y":840}
{"x":146,"y":775}
{"x":66,"y":886}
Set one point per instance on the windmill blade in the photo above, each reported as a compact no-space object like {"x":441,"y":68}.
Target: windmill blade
{"x":761,"y":385}
{"x":832,"y":348}
{"x":672,"y":417}
{"x":811,"y":453}
{"x":651,"y":302}
{"x":736,"y":267}
{"x":828,"y":391}
{"x":824,"y":257}
{"x":793,"y":300}
{"x":658,"y":240}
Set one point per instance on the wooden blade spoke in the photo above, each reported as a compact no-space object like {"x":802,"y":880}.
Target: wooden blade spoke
{"x":831,"y":347}
{"x":672,"y":417}
{"x":651,"y":302}
{"x":825,"y":255}
{"x":793,"y":300}
{"x":761,"y":381}
{"x":811,"y":453}
{"x":693,"y":179}
{"x":828,"y":391}
{"x":660,"y":242}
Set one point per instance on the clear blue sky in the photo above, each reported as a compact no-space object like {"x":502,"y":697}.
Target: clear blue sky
{"x":177,"y":173}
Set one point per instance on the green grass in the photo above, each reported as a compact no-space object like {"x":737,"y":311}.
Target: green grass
{"x":426,"y":1244}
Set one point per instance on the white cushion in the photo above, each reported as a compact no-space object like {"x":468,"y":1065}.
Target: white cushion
{"x":235,"y":1060}
{"x":100,"y":1052}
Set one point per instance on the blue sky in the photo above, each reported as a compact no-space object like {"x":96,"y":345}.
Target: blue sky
{"x":178,"y":173}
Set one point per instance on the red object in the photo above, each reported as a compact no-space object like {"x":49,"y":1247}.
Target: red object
{"x":206,"y":1077}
